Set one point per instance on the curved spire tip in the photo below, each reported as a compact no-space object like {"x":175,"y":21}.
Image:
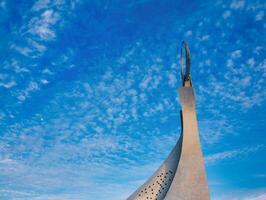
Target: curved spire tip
{"x":185,"y":74}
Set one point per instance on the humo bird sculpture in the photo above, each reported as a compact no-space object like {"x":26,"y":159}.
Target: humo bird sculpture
{"x":182,"y":175}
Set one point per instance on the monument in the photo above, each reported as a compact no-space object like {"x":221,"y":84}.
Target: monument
{"x":182,"y":175}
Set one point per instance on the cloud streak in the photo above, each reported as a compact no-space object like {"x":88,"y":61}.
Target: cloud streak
{"x":230,"y":154}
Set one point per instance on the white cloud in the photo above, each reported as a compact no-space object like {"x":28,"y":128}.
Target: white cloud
{"x":47,"y":71}
{"x":229,"y":63}
{"x":42,"y":26}
{"x":172,"y":80}
{"x":258,"y":49}
{"x":37,"y":46}
{"x":236,"y":54}
{"x":32,"y":49}
{"x":245,"y":194}
{"x":226,"y":14}
{"x":214,"y":128}
{"x":257,"y":197}
{"x":21,"y":98}
{"x":251,"y":62}
{"x":188,"y":33}
{"x":237,"y":4}
{"x":41,"y":4}
{"x":205,"y":37}
{"x":44,"y":81}
{"x":259,"y":15}
{"x":23,"y":50}
{"x":6,"y":161}
{"x":245,"y":81}
{"x":239,"y":153}
{"x":22,"y":95}
{"x":8,"y":84}
{"x":145,"y":82}
{"x":243,"y":87}
{"x":17,"y":68}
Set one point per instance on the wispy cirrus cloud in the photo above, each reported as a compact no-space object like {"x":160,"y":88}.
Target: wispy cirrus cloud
{"x":236,"y":153}
{"x":259,"y":194}
{"x":87,"y":130}
{"x":29,"y":43}
{"x":40,"y":26}
{"x":256,"y":197}
{"x":76,"y":123}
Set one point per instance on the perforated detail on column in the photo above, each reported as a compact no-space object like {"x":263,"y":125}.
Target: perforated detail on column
{"x":158,"y":188}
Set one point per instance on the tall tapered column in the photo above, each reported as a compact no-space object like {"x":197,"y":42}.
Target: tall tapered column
{"x":189,"y":182}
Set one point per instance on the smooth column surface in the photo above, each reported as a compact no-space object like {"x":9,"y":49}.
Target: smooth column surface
{"x":189,"y":182}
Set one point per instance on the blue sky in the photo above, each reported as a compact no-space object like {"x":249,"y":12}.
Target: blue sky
{"x":89,"y":103}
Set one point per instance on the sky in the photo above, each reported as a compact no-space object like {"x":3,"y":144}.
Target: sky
{"x":89,"y":106}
